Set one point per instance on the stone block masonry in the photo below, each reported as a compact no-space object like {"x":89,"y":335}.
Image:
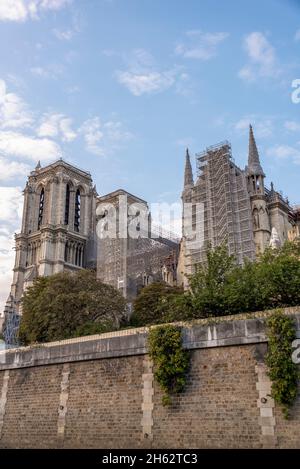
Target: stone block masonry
{"x":100,"y":392}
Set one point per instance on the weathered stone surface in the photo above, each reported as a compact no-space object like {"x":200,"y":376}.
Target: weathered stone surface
{"x":134,"y":342}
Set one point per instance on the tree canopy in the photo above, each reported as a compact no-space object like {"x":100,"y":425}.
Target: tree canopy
{"x":220,"y":287}
{"x":153,"y":304}
{"x":73,"y":304}
{"x":67,"y":305}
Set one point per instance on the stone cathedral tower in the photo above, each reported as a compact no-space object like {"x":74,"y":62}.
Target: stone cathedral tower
{"x":58,"y":225}
{"x":256,"y":188}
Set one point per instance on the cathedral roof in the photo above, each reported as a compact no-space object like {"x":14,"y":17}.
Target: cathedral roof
{"x":119,"y":192}
{"x":61,"y":162}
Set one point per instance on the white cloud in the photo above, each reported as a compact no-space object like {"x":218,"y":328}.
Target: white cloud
{"x":46,"y":133}
{"x":200,"y":45}
{"x":284,"y":152}
{"x":49,"y":71}
{"x":63,"y":35}
{"x":11,"y":170}
{"x":93,"y":135}
{"x":109,"y":52}
{"x":15,"y":119}
{"x":148,"y":82}
{"x":103,"y":138}
{"x":143,"y":75}
{"x":20,"y":145}
{"x":261,"y":56}
{"x":54,"y":125}
{"x":292,"y":126}
{"x":10,"y":206}
{"x":263,"y":127}
{"x":297,"y":35}
{"x":11,"y":202}
{"x":69,"y":33}
{"x":73,"y":89}
{"x":14,"y":112}
{"x":184,"y":85}
{"x":23,"y":10}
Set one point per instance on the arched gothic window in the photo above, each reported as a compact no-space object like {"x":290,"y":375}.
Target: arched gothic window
{"x":77,"y":211}
{"x":41,"y":208}
{"x":67,"y":206}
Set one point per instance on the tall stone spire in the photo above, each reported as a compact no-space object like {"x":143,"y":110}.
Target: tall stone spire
{"x":254,"y":166}
{"x":188,"y":172}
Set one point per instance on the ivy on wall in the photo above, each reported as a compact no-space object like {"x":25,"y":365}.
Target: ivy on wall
{"x":282,"y":371}
{"x":171,"y":361}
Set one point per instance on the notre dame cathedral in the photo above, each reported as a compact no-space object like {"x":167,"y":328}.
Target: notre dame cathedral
{"x":59,"y":225}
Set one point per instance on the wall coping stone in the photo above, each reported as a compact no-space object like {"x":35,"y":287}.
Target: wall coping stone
{"x":222,"y":331}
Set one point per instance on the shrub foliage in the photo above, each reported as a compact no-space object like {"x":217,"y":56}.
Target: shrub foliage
{"x":67,"y":305}
{"x":282,"y":371}
{"x":170,"y":359}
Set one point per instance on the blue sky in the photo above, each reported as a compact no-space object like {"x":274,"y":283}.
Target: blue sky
{"x":121,"y":87}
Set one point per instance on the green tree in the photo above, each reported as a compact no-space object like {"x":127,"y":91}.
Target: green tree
{"x":207,"y":285}
{"x":68,"y":304}
{"x":246,"y":289}
{"x":153,"y":304}
{"x":221,"y":287}
{"x":280,"y":271}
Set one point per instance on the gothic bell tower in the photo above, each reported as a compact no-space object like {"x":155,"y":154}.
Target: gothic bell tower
{"x":58,"y":225}
{"x":256,"y":188}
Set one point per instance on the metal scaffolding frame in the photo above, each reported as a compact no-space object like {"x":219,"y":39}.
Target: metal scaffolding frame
{"x":222,"y":188}
{"x":11,"y":324}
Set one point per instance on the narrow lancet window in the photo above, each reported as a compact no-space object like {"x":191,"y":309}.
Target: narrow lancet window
{"x":67,"y":206}
{"x":77,"y":211}
{"x":41,"y":208}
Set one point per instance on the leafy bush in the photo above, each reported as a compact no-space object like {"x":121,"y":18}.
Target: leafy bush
{"x":282,"y":371}
{"x":68,"y":304}
{"x":171,"y":360}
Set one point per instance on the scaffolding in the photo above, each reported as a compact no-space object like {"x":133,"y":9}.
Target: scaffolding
{"x":222,"y":189}
{"x":129,"y":263}
{"x":11,"y":324}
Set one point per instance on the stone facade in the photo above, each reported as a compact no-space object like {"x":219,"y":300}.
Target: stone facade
{"x":58,"y":226}
{"x":100,"y":392}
